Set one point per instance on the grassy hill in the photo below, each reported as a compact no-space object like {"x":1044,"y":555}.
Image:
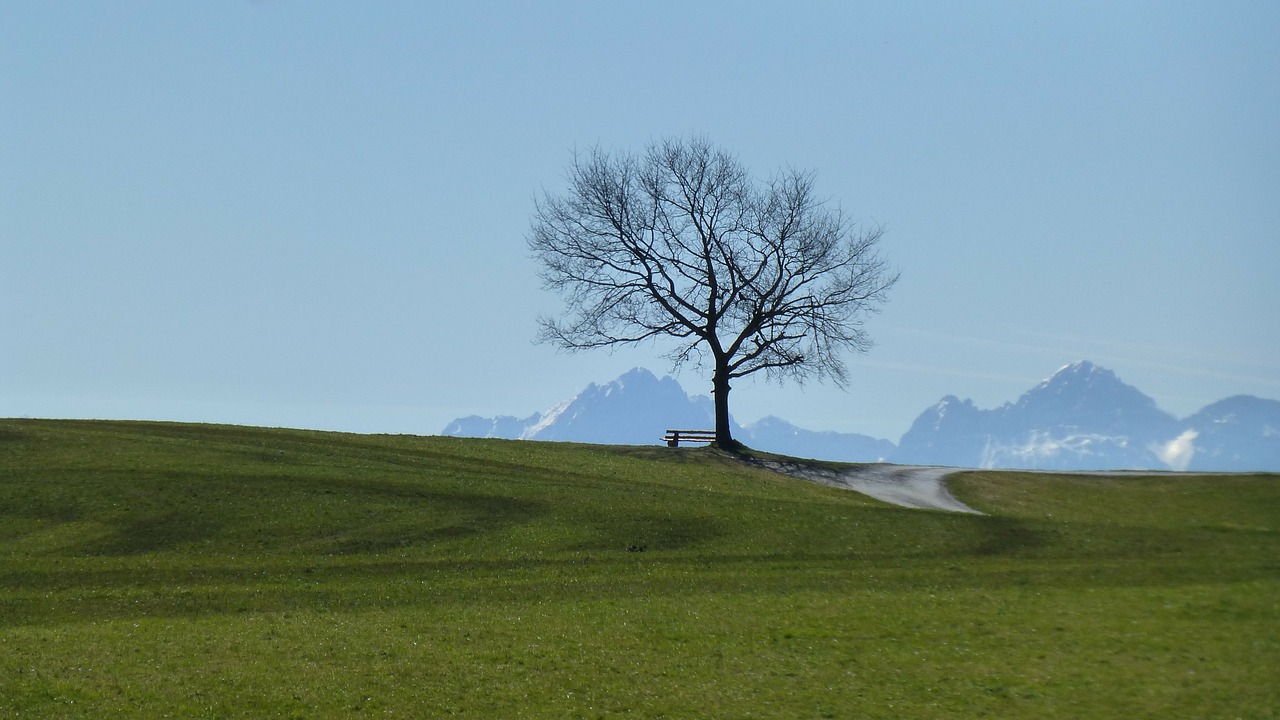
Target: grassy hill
{"x":152,"y":569}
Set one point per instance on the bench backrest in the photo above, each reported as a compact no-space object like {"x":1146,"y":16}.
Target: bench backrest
{"x":674,"y":437}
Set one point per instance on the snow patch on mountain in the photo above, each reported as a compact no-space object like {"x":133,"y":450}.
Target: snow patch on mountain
{"x":542,"y":421}
{"x":1057,"y":450}
{"x":1178,"y":452}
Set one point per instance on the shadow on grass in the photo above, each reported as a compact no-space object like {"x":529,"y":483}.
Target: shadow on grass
{"x":645,"y":532}
{"x":1005,"y":536}
{"x":72,"y":592}
{"x":365,"y":453}
{"x":136,"y":514}
{"x":10,"y":435}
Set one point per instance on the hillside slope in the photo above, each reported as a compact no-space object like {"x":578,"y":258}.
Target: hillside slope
{"x":150,"y":568}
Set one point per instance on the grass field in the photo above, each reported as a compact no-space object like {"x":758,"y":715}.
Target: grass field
{"x":169,"y":570}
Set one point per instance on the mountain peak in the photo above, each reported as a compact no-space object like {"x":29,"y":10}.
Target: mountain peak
{"x":633,"y":408}
{"x":636,"y":375}
{"x":1083,"y":378}
{"x":1079,"y":371}
{"x":1086,"y":395}
{"x":1081,"y":366}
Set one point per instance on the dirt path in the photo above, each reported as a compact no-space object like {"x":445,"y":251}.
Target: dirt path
{"x":912,"y":486}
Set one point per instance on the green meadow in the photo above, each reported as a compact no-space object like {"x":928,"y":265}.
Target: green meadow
{"x":178,"y":570}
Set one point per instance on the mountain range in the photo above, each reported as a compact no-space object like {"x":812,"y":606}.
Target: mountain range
{"x":1081,"y":418}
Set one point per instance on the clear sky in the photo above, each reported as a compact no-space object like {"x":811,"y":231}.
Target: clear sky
{"x":313,"y":214}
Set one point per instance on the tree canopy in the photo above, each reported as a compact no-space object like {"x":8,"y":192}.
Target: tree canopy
{"x":683,"y":242}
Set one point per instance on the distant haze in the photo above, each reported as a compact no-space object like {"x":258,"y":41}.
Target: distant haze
{"x":1082,"y":418}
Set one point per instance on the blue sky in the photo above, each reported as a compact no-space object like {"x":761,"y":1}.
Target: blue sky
{"x":314,"y":214}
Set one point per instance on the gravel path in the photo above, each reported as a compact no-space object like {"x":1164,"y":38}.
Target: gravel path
{"x":912,"y":486}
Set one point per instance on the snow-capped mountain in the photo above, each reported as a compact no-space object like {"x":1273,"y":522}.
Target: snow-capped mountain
{"x":943,"y":435}
{"x":1236,"y":434}
{"x":503,"y":426}
{"x":1083,"y":396}
{"x":1081,"y":418}
{"x":635,"y":409}
{"x":1086,"y":418}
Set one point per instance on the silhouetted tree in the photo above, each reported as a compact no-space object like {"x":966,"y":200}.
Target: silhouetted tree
{"x":683,"y":242}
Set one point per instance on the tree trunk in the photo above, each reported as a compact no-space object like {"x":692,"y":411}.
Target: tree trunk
{"x":720,"y":389}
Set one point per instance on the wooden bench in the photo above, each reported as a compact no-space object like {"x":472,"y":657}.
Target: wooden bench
{"x":673,"y":438}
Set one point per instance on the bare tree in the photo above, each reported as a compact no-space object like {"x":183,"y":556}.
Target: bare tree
{"x":682,"y":242}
